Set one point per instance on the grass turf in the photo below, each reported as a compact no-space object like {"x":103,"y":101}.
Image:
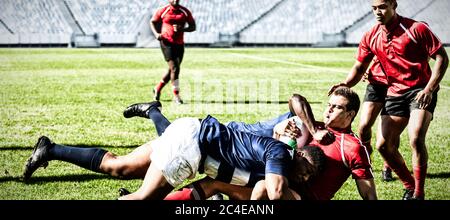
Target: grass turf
{"x":76,"y":97}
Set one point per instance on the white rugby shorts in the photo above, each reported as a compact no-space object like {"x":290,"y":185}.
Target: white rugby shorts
{"x":176,"y":152}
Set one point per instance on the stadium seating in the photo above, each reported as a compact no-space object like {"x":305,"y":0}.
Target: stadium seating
{"x":33,"y":22}
{"x":304,"y":21}
{"x":433,"y":15}
{"x":115,"y":22}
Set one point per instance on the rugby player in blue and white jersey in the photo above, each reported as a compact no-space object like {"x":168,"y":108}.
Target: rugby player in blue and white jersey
{"x":190,"y":146}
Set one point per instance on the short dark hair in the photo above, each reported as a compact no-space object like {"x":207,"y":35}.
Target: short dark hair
{"x":352,"y":96}
{"x":394,"y":2}
{"x":316,"y":154}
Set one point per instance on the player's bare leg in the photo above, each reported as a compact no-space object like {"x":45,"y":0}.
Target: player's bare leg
{"x":132,"y":165}
{"x":387,"y":136}
{"x":174,"y":66}
{"x":419,"y":122}
{"x":154,"y":187}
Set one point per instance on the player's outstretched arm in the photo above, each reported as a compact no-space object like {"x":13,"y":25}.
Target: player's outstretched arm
{"x":354,"y":76}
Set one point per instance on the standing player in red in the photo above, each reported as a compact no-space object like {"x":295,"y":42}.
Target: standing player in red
{"x":374,"y":100}
{"x":403,"y":47}
{"x":172,"y":18}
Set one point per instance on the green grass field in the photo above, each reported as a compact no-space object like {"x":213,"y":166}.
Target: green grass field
{"x":76,"y":97}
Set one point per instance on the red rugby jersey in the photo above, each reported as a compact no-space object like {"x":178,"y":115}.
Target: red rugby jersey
{"x":170,"y":15}
{"x":403,"y":48}
{"x":345,"y":156}
{"x":375,"y":74}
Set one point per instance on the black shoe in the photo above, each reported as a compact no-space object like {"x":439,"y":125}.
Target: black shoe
{"x":39,"y":157}
{"x":418,"y":198}
{"x":156,"y":95}
{"x":217,"y":196}
{"x":387,"y":175}
{"x":408,"y":195}
{"x":178,"y":100}
{"x":141,"y":109}
{"x":123,"y":192}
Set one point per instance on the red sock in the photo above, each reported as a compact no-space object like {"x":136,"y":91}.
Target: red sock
{"x":404,"y":175}
{"x":176,"y":87}
{"x":159,"y":86}
{"x":420,"y":173}
{"x":183,"y":194}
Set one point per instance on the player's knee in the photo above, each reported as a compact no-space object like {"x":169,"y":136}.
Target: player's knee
{"x":364,"y":129}
{"x":382,"y":148}
{"x":108,"y":161}
{"x":417,"y":142}
{"x":117,"y":166}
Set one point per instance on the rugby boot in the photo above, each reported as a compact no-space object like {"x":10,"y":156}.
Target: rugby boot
{"x":408,"y":194}
{"x":141,"y":109}
{"x":178,"y":100}
{"x":156,"y":95}
{"x":418,"y":198}
{"x":39,"y":157}
{"x":123,"y":192}
{"x":387,"y":175}
{"x":217,"y":196}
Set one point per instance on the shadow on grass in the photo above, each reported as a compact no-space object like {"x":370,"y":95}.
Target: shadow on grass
{"x":63,"y":178}
{"x":443,"y":175}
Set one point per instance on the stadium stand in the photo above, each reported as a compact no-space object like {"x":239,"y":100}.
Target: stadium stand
{"x":433,"y":16}
{"x":219,"y":22}
{"x":305,"y":21}
{"x":217,"y":18}
{"x":114,"y":21}
{"x":34,"y":22}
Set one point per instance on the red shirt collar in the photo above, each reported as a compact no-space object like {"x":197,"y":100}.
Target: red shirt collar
{"x":340,"y":130}
{"x":347,"y":130}
{"x":174,"y":7}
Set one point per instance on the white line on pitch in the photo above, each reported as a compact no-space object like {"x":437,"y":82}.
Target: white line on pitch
{"x":301,"y":65}
{"x":291,"y":63}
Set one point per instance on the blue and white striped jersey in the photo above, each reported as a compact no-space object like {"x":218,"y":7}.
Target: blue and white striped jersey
{"x":238,"y":157}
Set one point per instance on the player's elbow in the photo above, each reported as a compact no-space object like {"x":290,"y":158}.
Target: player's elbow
{"x":442,"y":58}
{"x":297,"y":98}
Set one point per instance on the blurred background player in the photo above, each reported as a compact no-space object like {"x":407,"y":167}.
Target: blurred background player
{"x":168,"y":25}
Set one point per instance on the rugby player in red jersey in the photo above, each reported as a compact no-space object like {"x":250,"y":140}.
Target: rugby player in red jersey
{"x":404,"y":47}
{"x":172,"y":19}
